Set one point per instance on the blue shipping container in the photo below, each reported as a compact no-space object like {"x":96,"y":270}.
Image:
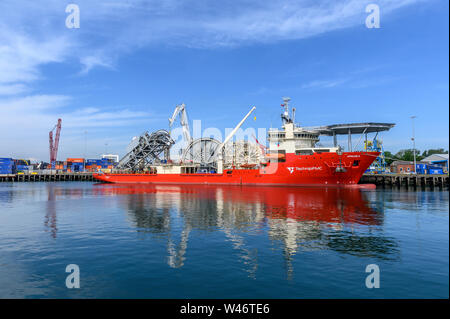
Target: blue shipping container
{"x":6,"y":170}
{"x":6,"y":165}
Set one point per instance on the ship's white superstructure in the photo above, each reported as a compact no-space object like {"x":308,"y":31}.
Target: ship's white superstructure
{"x":294,"y":139}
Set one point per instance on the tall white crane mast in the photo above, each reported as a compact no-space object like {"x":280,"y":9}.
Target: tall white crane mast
{"x":180,"y":109}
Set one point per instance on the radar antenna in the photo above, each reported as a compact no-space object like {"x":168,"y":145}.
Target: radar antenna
{"x":285,"y":117}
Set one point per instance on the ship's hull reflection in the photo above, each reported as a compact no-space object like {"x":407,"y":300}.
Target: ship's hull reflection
{"x":299,"y":218}
{"x":328,"y":205}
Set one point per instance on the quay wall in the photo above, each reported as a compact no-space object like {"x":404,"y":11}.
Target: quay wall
{"x":383,"y":180}
{"x":48,"y":177}
{"x":408,"y":180}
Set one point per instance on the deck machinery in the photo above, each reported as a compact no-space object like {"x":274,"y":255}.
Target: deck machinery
{"x":146,"y":150}
{"x":201,"y":154}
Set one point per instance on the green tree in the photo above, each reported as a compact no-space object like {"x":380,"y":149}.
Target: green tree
{"x":434,"y":151}
{"x":389,"y":157}
{"x":408,"y":155}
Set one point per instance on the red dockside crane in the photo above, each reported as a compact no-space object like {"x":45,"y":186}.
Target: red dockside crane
{"x":54,"y":146}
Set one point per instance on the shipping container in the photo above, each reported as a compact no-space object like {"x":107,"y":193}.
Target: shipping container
{"x":93,"y":161}
{"x":434,"y":171}
{"x":75,"y":160}
{"x":22,"y":162}
{"x":7,"y":164}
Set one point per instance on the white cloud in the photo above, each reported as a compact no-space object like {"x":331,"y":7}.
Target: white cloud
{"x":21,"y":55}
{"x":356,"y":81}
{"x":12,"y":89}
{"x":27,"y":121}
{"x":92,"y":61}
{"x":111,"y":28}
{"x":323,"y":84}
{"x":33,"y":103}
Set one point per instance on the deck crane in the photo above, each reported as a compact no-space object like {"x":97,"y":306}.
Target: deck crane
{"x":181,"y":110}
{"x":54,"y":145}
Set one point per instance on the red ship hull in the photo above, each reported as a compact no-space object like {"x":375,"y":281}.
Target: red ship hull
{"x":297,"y":170}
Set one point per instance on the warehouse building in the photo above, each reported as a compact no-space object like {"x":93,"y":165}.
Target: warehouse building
{"x":440,"y":160}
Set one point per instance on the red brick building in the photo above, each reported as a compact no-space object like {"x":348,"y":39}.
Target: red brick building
{"x":404,"y":167}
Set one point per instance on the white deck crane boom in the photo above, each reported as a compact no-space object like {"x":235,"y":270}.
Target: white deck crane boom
{"x":180,"y":109}
{"x":218,"y":151}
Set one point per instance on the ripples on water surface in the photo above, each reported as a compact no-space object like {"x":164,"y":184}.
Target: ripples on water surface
{"x":221,"y":242}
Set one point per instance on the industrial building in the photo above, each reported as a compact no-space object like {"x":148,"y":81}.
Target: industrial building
{"x":440,"y":160}
{"x":422,"y":167}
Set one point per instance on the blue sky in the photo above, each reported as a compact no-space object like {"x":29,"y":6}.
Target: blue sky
{"x":130,"y":62}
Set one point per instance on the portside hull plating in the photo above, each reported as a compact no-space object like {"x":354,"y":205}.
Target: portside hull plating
{"x":297,"y":170}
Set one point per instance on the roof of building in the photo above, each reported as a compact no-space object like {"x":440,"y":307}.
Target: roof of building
{"x":436,"y":158}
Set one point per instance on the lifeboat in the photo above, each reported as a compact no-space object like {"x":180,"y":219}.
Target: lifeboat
{"x":247,"y":165}
{"x":278,"y":156}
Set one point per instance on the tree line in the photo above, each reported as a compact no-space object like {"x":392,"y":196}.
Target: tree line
{"x":408,"y":155}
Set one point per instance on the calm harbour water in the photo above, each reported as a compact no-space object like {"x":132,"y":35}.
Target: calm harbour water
{"x":165,"y":241}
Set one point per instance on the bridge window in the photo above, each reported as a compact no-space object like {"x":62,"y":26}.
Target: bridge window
{"x":304,"y":152}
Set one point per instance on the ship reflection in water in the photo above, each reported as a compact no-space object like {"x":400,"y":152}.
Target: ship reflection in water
{"x":300,"y":219}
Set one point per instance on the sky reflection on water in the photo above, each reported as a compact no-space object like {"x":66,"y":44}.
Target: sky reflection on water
{"x":271,"y":242}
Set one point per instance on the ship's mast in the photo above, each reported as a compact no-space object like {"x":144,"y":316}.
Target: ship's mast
{"x":285,"y":117}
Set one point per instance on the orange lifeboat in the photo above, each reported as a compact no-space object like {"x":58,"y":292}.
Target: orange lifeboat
{"x":275,"y":156}
{"x":248,"y":165}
